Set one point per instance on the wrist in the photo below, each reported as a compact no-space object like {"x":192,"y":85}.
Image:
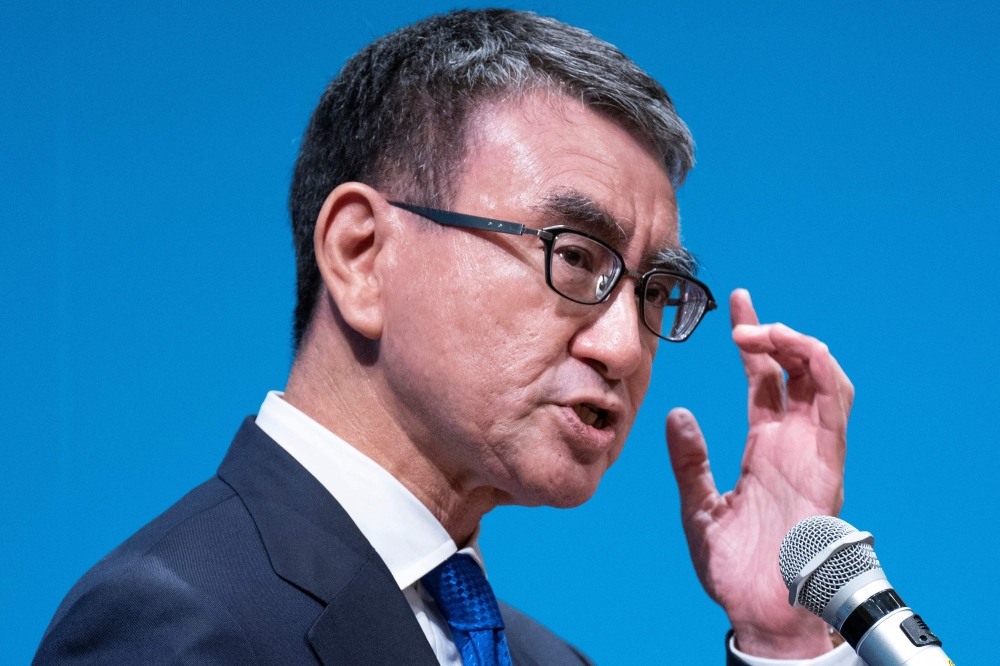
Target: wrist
{"x":806,"y":640}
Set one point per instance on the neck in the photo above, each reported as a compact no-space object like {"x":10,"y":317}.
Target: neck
{"x":334,"y":380}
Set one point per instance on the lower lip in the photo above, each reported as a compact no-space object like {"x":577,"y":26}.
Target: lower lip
{"x":593,"y":440}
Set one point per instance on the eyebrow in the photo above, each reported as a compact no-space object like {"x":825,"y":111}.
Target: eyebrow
{"x":579,"y":211}
{"x":676,"y":259}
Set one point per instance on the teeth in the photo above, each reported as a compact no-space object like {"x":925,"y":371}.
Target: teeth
{"x":589,"y":415}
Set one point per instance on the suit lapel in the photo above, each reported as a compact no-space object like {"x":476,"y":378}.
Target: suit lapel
{"x":363,"y":625}
{"x":313,"y":544}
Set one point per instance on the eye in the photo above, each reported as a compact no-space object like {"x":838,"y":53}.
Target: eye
{"x":655,"y":296}
{"x":575,"y":257}
{"x":663,"y":291}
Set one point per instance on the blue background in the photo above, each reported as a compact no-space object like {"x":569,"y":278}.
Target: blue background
{"x":847,"y":175}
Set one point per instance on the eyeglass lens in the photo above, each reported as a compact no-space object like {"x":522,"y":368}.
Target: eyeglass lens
{"x":585,"y":271}
{"x":672,"y":306}
{"x":582,"y":269}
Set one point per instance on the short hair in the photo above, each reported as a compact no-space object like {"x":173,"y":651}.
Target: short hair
{"x":395,"y":116}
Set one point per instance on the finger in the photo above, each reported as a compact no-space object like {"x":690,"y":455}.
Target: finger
{"x":816,"y":382}
{"x":741,"y":310}
{"x":765,"y":399}
{"x":742,"y":315}
{"x":788,"y":349}
{"x":797,"y":352}
{"x":834,"y":393}
{"x":689,"y":459}
{"x":820,"y":364}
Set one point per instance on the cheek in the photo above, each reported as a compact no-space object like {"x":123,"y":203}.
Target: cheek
{"x":465,"y":327}
{"x":474,"y":310}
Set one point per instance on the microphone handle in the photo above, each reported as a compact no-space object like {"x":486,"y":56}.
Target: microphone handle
{"x":901,"y":639}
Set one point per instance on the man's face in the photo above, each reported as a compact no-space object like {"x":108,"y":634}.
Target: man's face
{"x":492,"y":373}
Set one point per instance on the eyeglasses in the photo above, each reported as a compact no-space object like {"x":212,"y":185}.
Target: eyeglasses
{"x":586,"y":270}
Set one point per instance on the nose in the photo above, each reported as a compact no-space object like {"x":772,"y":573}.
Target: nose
{"x":612,"y":340}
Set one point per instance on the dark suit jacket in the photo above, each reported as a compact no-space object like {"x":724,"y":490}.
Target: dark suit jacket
{"x":258,"y":565}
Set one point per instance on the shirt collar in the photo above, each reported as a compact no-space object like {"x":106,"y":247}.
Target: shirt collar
{"x":405,"y":534}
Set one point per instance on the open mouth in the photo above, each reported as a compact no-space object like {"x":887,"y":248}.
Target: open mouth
{"x":592,"y":415}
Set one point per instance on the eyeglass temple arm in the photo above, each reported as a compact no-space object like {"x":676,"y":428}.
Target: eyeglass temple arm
{"x":469,"y":221}
{"x":451,"y":219}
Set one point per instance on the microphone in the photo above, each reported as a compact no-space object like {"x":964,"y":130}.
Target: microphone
{"x":831,"y":569}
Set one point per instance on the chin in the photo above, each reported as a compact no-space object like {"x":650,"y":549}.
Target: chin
{"x":565,"y":487}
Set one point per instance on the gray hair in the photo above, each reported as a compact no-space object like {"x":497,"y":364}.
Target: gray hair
{"x":395,"y":117}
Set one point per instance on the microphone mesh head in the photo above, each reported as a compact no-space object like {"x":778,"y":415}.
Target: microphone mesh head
{"x":804,"y":541}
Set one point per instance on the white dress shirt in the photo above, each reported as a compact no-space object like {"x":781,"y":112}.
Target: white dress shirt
{"x":403,"y":531}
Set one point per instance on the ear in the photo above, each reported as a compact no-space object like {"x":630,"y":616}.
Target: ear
{"x":347,"y":241}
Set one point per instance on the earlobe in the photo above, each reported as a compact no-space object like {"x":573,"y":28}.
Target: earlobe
{"x":348,"y":240}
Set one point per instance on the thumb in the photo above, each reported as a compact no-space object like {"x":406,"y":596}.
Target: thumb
{"x":689,"y":458}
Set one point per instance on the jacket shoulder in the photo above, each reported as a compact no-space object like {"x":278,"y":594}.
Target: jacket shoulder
{"x":201,"y":499}
{"x":147,"y":614}
{"x":531,"y":644}
{"x":144,"y":602}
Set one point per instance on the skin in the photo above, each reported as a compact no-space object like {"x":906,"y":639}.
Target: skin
{"x":442,"y":355}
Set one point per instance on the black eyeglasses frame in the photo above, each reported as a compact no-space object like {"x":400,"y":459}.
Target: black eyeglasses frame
{"x":548,"y":236}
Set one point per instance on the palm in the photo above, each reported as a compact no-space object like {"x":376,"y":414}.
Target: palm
{"x":792,"y":468}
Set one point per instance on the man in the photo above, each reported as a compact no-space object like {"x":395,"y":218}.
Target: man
{"x":488,"y":256}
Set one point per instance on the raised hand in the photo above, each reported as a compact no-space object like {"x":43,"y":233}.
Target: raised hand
{"x":793,"y":467}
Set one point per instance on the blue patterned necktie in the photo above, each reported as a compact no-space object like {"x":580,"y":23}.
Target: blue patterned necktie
{"x":466,"y":600}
